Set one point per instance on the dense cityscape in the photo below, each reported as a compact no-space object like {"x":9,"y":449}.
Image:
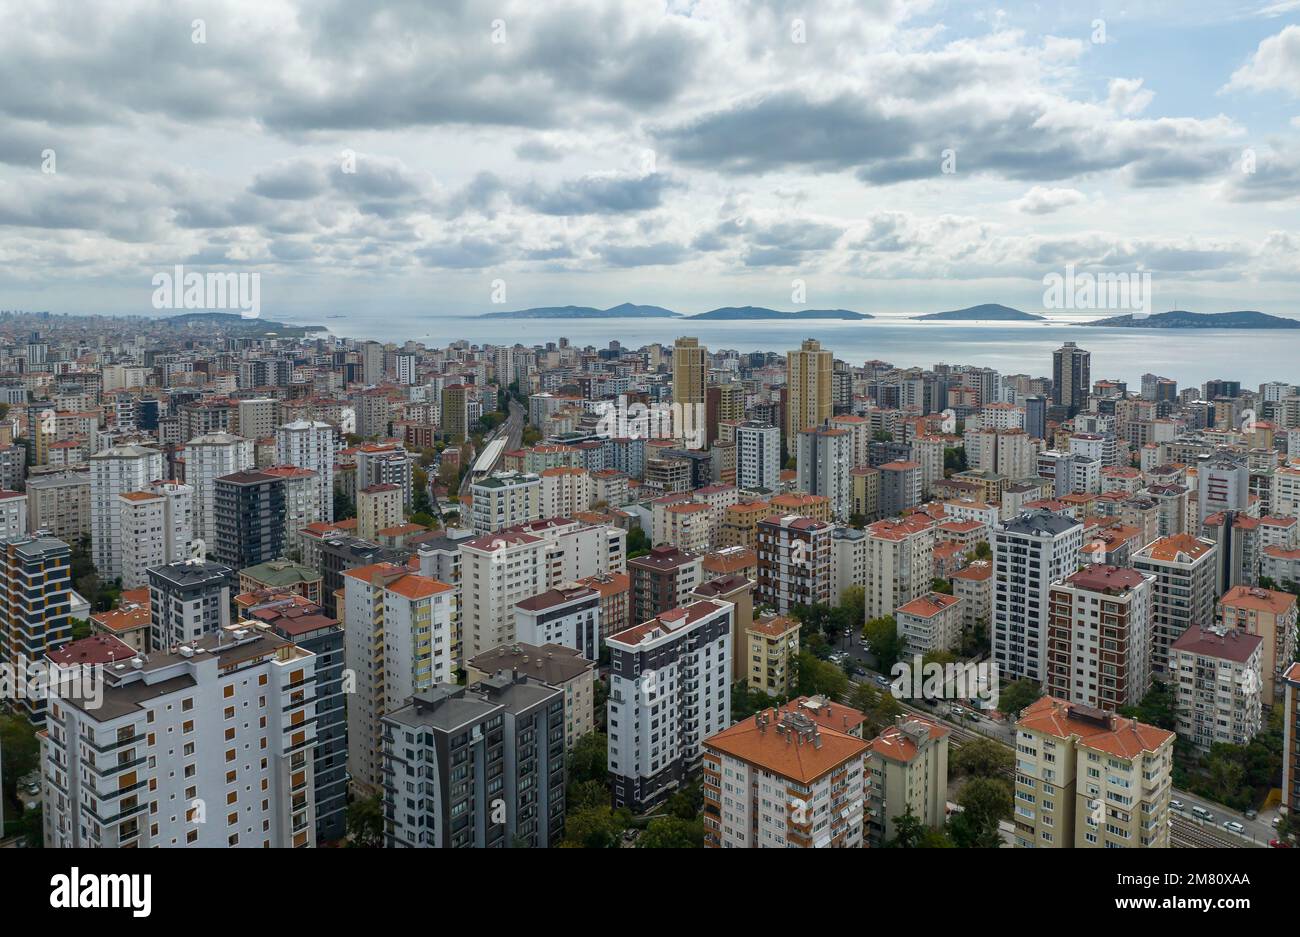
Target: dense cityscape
{"x":267,"y":587}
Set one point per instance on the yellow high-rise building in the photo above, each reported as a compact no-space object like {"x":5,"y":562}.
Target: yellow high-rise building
{"x":808,"y":388}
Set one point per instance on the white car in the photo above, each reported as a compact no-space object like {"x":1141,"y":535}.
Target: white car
{"x":1177,"y":805}
{"x":1234,"y":827}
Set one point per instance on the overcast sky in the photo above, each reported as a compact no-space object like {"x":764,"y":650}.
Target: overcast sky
{"x":687,"y":154}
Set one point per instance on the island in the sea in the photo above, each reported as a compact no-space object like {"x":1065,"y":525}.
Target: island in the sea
{"x":986,"y":312}
{"x":233,"y":322}
{"x":761,"y":312}
{"x":1181,"y":319}
{"x":621,"y":311}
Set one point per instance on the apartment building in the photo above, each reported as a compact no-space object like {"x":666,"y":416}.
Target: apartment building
{"x":397,"y":642}
{"x":249,"y":525}
{"x":900,"y":563}
{"x":929,"y":623}
{"x":208,"y":458}
{"x":554,"y":665}
{"x":378,"y":507}
{"x":864,"y":483}
{"x":823,"y":458}
{"x":35,"y":606}
{"x":1291,"y":739}
{"x":771,"y":646}
{"x":157,"y":527}
{"x":208,"y":746}
{"x":663,"y":579}
{"x":973,"y":584}
{"x":302,"y":505}
{"x":502,"y":569}
{"x":758,"y":456}
{"x":794,"y":562}
{"x":900,"y":487}
{"x":669,"y":690}
{"x":311,"y":445}
{"x":1272,"y":616}
{"x":302,"y":621}
{"x":848,"y":560}
{"x":1217,"y":685}
{"x":1030,"y":552}
{"x":1089,"y":779}
{"x":568,"y":616}
{"x":60,"y":504}
{"x":510,"y":728}
{"x":615,"y":591}
{"x":113,"y":471}
{"x":780,"y":780}
{"x":808,"y":387}
{"x":907,"y":769}
{"x":187,"y":600}
{"x":1183,"y":593}
{"x":1099,"y":637}
{"x":504,"y":499}
{"x":13,"y":514}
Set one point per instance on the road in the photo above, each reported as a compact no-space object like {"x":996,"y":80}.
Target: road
{"x":1186,"y":829}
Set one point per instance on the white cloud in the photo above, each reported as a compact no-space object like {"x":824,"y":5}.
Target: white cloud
{"x":1043,"y":201}
{"x":1274,"y":66}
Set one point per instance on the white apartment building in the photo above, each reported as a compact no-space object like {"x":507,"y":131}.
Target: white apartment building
{"x":113,"y":471}
{"x":848,"y":561}
{"x":1183,"y":593}
{"x":758,"y":456}
{"x":1030,"y":552}
{"x":669,"y":691}
{"x":302,"y":504}
{"x":900,"y":563}
{"x":756,"y":796}
{"x":396,"y":642}
{"x":1217,"y":676}
{"x":505,"y":499}
{"x":208,"y":458}
{"x":931,"y":622}
{"x":564,"y":491}
{"x":157,"y":527}
{"x":209,"y":747}
{"x":13,"y":513}
{"x":502,"y":569}
{"x":568,"y":616}
{"x":311,"y":445}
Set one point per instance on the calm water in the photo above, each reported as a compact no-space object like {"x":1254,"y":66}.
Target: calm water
{"x":1189,"y":356}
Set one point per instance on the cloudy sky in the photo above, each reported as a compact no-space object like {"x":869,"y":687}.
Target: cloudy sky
{"x":402,"y":157}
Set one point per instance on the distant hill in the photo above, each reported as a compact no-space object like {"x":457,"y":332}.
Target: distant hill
{"x":761,"y":312}
{"x":621,"y":311}
{"x":233,"y":321}
{"x":1182,"y":319}
{"x":987,"y":312}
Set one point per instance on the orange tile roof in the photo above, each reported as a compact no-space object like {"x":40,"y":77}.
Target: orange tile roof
{"x":1123,"y":738}
{"x":1168,"y":549}
{"x":781,"y":753}
{"x":928,"y":605}
{"x":1258,"y":600}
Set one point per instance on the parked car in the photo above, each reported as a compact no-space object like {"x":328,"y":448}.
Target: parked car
{"x":1277,"y":821}
{"x":883,"y":681}
{"x":973,"y":716}
{"x":1177,"y":805}
{"x":1251,"y":814}
{"x":1203,"y":814}
{"x":957,"y":712}
{"x":1278,"y":844}
{"x":1234,"y":827}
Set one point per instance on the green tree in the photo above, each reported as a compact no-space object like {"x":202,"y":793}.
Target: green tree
{"x":910,"y":832}
{"x":672,"y":833}
{"x":365,"y":823}
{"x":984,"y":802}
{"x":1156,"y":708}
{"x":1016,"y":696}
{"x":878,"y":706}
{"x":21,"y":753}
{"x":344,"y":509}
{"x":588,"y":759}
{"x":819,"y":677}
{"x":882,"y":635}
{"x":981,"y":758}
{"x":595,"y":827}
{"x":638,"y":544}
{"x":939,"y":584}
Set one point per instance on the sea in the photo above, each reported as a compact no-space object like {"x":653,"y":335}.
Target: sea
{"x":1188,"y":356}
